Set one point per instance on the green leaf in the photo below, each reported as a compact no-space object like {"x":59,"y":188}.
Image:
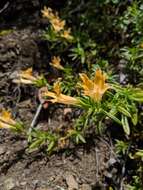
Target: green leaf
{"x":134,"y":119}
{"x":81,"y":138}
{"x":51,"y":146}
{"x":112,"y":117}
{"x":125,"y":124}
{"x":77,"y":139}
{"x":139,"y":154}
{"x":124,"y":111}
{"x":36,"y":144}
{"x":137,"y":95}
{"x":41,"y":82}
{"x":18,"y":127}
{"x":138,"y":99}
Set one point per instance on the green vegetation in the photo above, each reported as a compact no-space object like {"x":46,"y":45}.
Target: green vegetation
{"x":96,"y":49}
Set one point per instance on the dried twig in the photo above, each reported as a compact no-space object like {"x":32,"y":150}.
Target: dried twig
{"x":42,"y":104}
{"x":34,"y":121}
{"x":4,"y":7}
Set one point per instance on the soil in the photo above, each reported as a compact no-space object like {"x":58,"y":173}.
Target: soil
{"x":22,"y":170}
{"x":85,"y":167}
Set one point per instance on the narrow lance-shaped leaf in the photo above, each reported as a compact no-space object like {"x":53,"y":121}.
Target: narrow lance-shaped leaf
{"x":36,"y":144}
{"x":125,"y":124}
{"x":112,"y":117}
{"x":51,"y":146}
{"x":134,"y":119}
{"x":81,"y":138}
{"x":124,"y":111}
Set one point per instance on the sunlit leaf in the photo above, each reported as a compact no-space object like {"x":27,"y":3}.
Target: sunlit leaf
{"x":125,"y":124}
{"x":81,"y":138}
{"x":124,"y":111}
{"x":112,"y":117}
{"x":51,"y":146}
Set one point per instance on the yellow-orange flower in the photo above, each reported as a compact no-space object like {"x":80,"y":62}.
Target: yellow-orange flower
{"x":95,"y":88}
{"x":26,"y":77}
{"x":56,"y":62}
{"x":58,"y":97}
{"x":6,"y":120}
{"x":67,"y":34}
{"x":48,"y":13}
{"x":63,"y":142}
{"x":58,"y":24}
{"x":54,"y":19}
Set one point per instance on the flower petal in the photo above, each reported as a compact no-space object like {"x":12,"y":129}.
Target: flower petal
{"x":87,"y":83}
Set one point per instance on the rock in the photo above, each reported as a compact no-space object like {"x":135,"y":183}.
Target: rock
{"x":35,"y":182}
{"x":23,"y":183}
{"x":85,"y":187}
{"x":2,"y":150}
{"x":111,"y":162}
{"x":71,"y":182}
{"x":67,"y":110}
{"x":9,"y":183}
{"x":44,"y":188}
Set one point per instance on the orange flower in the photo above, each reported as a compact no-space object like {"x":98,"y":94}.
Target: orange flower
{"x":26,"y":77}
{"x":54,"y":19}
{"x":56,"y":62}
{"x":48,"y":13}
{"x":58,"y":24}
{"x":58,"y":97}
{"x":67,"y":34}
{"x":6,"y":120}
{"x":63,"y":142}
{"x":94,"y":88}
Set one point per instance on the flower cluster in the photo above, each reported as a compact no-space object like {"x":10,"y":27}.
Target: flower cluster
{"x":58,"y":25}
{"x":94,"y":88}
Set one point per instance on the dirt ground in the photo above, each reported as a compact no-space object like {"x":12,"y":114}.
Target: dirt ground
{"x":85,"y":167}
{"x":80,"y":168}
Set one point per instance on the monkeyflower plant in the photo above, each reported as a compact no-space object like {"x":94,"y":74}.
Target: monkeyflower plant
{"x":58,"y":26}
{"x":54,"y":19}
{"x":117,"y":105}
{"x":27,"y":77}
{"x":98,"y":101}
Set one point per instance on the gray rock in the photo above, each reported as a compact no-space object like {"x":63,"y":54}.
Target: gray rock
{"x":23,"y":183}
{"x":71,"y":182}
{"x":2,"y":150}
{"x":9,"y":184}
{"x":85,"y":187}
